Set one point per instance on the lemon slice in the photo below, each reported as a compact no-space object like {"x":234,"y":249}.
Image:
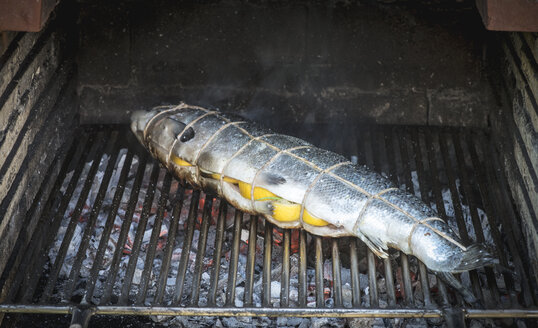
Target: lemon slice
{"x":312,"y":220}
{"x":284,"y":211}
{"x":245,"y":189}
{"x":180,"y":162}
{"x":216,"y":176}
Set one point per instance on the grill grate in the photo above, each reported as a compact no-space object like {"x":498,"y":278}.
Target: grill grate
{"x":106,"y":175}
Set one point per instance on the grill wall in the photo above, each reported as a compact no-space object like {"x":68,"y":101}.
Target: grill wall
{"x":516,"y":125}
{"x":37,"y":116}
{"x":286,"y":61}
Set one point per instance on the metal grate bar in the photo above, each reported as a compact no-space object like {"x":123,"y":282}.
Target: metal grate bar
{"x":441,"y":159}
{"x":13,"y":277}
{"x":320,"y":296}
{"x":53,"y":276}
{"x":234,"y":259}
{"x":355,"y":279}
{"x":133,"y":200}
{"x":157,"y":226}
{"x":55,"y":174}
{"x":251,"y":260}
{"x":423,"y":275}
{"x":266,"y":283}
{"x":302,"y":292}
{"x":337,"y":277}
{"x":372,"y":279}
{"x":512,"y":229}
{"x":43,"y":240}
{"x":468,"y":195}
{"x":88,"y":295}
{"x":137,"y":243}
{"x":285,"y":273}
{"x":495,"y":205}
{"x":489,"y":204}
{"x":169,"y":248}
{"x":200,"y":254}
{"x":371,"y":160}
{"x":406,"y":179}
{"x":113,"y":149}
{"x":186,"y":249}
{"x":212,"y":296}
{"x":434,"y":174}
{"x":390,"y":159}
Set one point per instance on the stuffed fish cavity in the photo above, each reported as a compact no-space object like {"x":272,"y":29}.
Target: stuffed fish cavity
{"x":294,"y":184}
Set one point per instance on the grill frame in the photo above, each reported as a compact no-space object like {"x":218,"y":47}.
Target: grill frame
{"x":425,"y":143}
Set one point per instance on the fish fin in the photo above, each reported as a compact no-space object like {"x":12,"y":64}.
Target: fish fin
{"x":467,"y":294}
{"x":475,"y":256}
{"x":267,"y":178}
{"x":376,"y":245}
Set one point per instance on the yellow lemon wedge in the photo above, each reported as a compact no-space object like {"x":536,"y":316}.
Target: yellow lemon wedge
{"x":216,"y":176}
{"x":180,"y":162}
{"x":312,"y":220}
{"x":245,"y":188}
{"x":286,"y":212}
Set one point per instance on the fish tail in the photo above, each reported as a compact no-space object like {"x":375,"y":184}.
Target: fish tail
{"x":475,"y":256}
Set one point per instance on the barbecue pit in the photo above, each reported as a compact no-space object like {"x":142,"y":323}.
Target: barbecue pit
{"x":93,"y":227}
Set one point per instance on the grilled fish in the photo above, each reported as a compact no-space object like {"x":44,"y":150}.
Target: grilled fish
{"x":294,"y":184}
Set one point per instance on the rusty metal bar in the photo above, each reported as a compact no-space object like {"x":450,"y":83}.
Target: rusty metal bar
{"x":271,"y":312}
{"x":355,"y":277}
{"x":212,"y":295}
{"x":285,"y":273}
{"x":141,"y":228}
{"x":234,"y":259}
{"x":302,"y":292}
{"x":152,"y":246}
{"x":118,"y":252}
{"x":169,"y":248}
{"x":251,"y":260}
{"x":337,"y":276}
{"x":266,"y":279}
{"x":320,"y":290}
{"x":186,"y":249}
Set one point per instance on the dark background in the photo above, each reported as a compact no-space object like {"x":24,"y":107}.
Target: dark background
{"x":403,"y":62}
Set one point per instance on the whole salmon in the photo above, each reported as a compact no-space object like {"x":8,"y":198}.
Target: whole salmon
{"x":294,"y":184}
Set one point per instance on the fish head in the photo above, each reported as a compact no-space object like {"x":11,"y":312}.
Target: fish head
{"x":139,"y":120}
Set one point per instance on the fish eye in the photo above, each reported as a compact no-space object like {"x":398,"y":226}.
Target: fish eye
{"x":187,"y":135}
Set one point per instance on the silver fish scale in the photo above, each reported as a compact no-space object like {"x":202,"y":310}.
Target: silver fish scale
{"x":332,"y":198}
{"x":408,"y":203}
{"x":254,"y":129}
{"x":284,"y":142}
{"x":321,"y":158}
{"x":352,"y":199}
{"x":216,"y":153}
{"x":249,"y":160}
{"x":187,"y":115}
{"x":286,"y":166}
{"x":361,"y":177}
